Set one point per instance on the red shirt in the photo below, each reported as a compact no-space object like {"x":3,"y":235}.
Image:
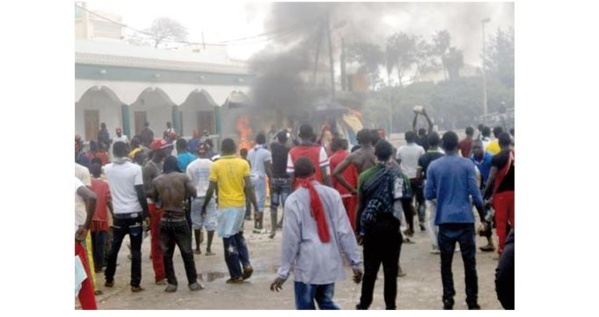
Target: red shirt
{"x":103,"y":156}
{"x":350,"y":174}
{"x":102,"y":190}
{"x":466,"y":147}
{"x":312,"y":152}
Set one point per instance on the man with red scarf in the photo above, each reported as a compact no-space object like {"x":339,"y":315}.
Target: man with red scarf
{"x":316,"y":232}
{"x":502,"y":177}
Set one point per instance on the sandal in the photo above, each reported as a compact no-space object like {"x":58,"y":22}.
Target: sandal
{"x":247,"y":272}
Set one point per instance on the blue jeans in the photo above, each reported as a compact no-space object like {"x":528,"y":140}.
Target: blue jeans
{"x":236,"y":253}
{"x":176,"y":232}
{"x":306,"y":294}
{"x":279,"y":190}
{"x":463,"y":233}
{"x":120,"y":228}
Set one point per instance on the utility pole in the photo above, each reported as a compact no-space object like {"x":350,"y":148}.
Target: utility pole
{"x":331,"y":61}
{"x":343,"y":75}
{"x":319,"y":40}
{"x":483,"y":21}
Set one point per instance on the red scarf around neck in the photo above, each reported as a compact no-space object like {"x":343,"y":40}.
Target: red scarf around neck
{"x":316,"y":208}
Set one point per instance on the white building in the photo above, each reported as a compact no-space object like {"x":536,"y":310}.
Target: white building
{"x":125,"y":86}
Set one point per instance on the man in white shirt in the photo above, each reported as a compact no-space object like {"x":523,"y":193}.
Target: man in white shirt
{"x":316,"y":231}
{"x":120,"y":136}
{"x":260,"y":160}
{"x":130,"y":208}
{"x":199,"y":173}
{"x":407,"y":157}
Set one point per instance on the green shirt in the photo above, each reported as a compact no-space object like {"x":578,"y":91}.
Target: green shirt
{"x":367,"y":174}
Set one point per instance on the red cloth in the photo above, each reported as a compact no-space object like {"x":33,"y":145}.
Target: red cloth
{"x":86,"y":296}
{"x":350,"y":203}
{"x":504,"y":213}
{"x":312,"y":152}
{"x":102,"y":190}
{"x":103,"y":156}
{"x":350,"y":174}
{"x":155,"y":248}
{"x":316,"y":208}
{"x":466,"y":147}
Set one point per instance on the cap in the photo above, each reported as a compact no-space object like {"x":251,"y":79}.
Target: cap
{"x":159,"y":144}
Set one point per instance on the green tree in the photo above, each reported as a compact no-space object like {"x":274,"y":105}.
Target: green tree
{"x":451,"y":57}
{"x":401,"y":53}
{"x":500,"y":57}
{"x":425,"y":59}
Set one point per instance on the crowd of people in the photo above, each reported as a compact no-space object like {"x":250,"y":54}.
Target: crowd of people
{"x":332,"y":202}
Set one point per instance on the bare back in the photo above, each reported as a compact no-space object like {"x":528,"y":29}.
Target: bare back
{"x":363,"y":159}
{"x":172,"y":189}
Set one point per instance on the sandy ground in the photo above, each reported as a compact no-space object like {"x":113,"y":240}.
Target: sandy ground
{"x":421,"y":289}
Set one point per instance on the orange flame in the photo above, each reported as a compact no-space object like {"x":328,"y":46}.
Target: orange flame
{"x":243,"y":128}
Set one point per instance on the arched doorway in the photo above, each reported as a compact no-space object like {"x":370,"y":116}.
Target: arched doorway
{"x":154,"y":106}
{"x":96,"y":105}
{"x":198,"y":113}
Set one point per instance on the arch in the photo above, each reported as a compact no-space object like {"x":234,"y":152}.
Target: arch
{"x":198,"y":113}
{"x":154,"y":106}
{"x":97,"y":104}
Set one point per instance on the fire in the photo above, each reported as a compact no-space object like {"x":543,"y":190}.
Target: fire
{"x":243,"y":128}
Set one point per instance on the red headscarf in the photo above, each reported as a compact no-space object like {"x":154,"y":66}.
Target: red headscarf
{"x":316,"y":209}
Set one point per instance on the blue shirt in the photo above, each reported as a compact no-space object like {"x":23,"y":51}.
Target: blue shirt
{"x":484,"y":166}
{"x":184,"y":159}
{"x":451,"y":180}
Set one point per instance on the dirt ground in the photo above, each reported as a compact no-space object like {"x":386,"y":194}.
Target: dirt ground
{"x":420,"y":289}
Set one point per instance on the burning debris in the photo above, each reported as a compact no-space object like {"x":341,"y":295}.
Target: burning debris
{"x":242,"y":126}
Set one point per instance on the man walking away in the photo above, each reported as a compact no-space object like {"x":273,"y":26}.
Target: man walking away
{"x":466,"y":143}
{"x":315,"y":233}
{"x":380,"y":189}
{"x":451,"y":180}
{"x":502,"y":177}
{"x":279,"y":183}
{"x":407,"y":157}
{"x":313,"y":151}
{"x":424,"y":161}
{"x":260,"y":166}
{"x":99,"y":228}
{"x":232,"y":176}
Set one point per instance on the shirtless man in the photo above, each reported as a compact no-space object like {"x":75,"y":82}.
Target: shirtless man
{"x":362,"y":159}
{"x":150,"y":171}
{"x":172,"y":188}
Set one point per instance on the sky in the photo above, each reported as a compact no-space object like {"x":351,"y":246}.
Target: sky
{"x":221,"y":21}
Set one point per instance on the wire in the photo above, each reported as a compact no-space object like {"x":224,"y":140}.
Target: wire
{"x":249,"y":40}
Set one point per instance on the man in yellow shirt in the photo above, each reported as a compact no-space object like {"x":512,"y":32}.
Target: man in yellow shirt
{"x":232,"y":175}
